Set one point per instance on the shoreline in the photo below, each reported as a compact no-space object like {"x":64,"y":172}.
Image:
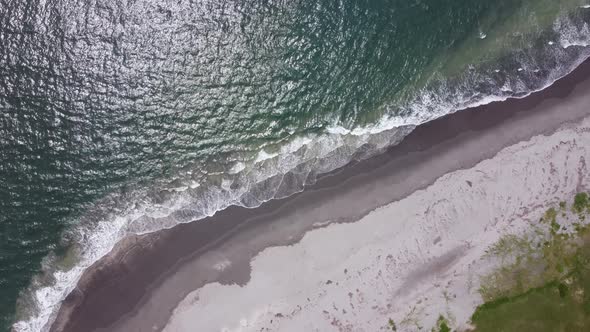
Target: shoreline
{"x":170,"y":264}
{"x":411,"y":261}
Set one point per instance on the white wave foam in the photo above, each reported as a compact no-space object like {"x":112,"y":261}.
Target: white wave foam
{"x":572,"y":35}
{"x":263,"y":155}
{"x":237,"y":168}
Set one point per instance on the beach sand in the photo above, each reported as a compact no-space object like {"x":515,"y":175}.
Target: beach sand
{"x":411,"y":261}
{"x":363,"y":244}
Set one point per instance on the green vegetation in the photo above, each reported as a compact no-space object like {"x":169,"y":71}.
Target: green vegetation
{"x":542,"y":283}
{"x":550,"y":215}
{"x":392,"y":325}
{"x":549,"y":308}
{"x":581,"y":203}
{"x":517,"y":255}
{"x":441,"y":325}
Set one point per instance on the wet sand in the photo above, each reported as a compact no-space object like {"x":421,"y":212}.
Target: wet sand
{"x":137,"y":287}
{"x":410,"y":261}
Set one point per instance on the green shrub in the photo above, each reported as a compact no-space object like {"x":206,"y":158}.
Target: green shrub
{"x":580,"y":203}
{"x":392,"y":325}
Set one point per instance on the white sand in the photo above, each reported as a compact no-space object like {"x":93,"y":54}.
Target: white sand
{"x":410,"y":260}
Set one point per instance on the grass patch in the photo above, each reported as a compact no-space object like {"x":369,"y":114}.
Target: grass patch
{"x":545,"y":287}
{"x":581,"y":203}
{"x":442,"y":325}
{"x":520,"y":267}
{"x":392,"y":325}
{"x":550,"y":216}
{"x":549,"y":308}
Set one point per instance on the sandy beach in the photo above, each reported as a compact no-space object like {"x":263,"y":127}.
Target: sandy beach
{"x":397,"y":236}
{"x":410,"y":261}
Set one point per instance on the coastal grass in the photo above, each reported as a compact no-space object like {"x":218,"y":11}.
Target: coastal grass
{"x":553,"y":307}
{"x":581,"y":203}
{"x":442,"y":325}
{"x":392,"y":325}
{"x":543,"y":282}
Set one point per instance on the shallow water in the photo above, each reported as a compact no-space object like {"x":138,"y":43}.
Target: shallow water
{"x":120,"y":117}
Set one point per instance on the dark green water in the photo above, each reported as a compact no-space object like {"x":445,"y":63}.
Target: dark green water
{"x":119,"y":117}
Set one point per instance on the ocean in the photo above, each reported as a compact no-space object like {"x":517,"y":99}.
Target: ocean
{"x":127,"y":117}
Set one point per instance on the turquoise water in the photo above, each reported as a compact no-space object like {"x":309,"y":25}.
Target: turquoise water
{"x":122,"y":117}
